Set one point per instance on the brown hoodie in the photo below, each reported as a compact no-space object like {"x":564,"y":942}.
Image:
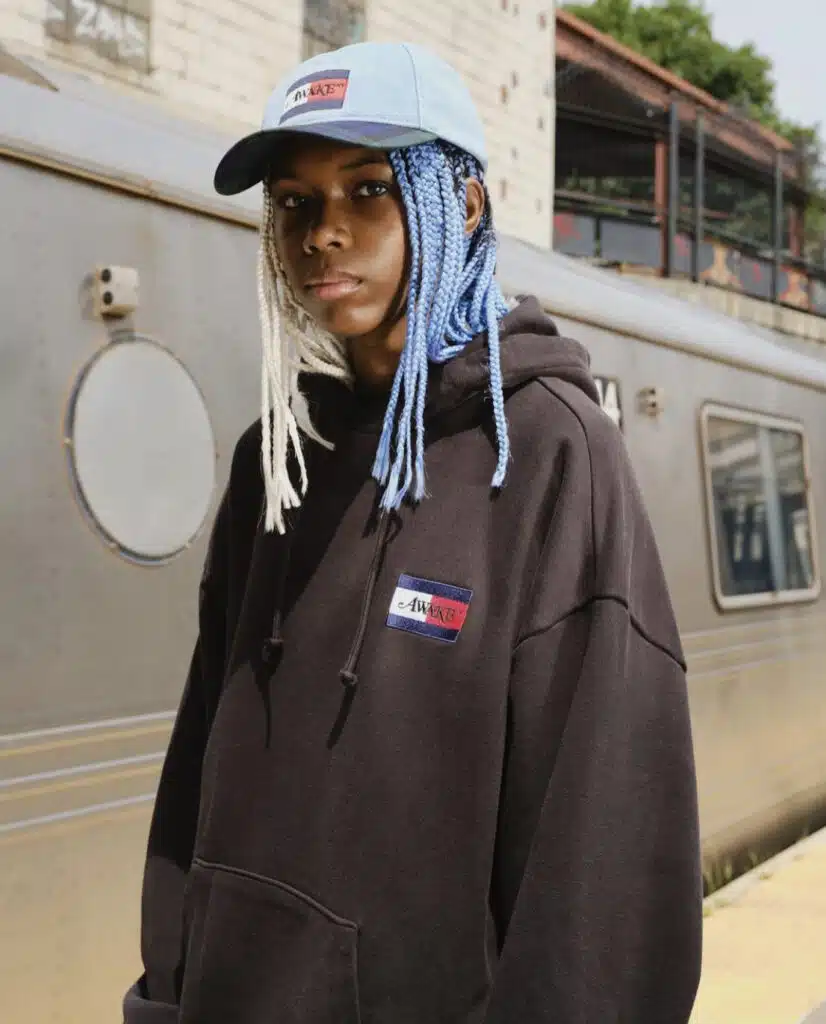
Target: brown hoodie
{"x":436,"y":768}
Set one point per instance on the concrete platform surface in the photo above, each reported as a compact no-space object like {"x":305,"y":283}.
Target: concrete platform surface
{"x":764,"y":957}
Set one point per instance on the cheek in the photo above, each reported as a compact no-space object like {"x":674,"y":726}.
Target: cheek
{"x":392,"y":259}
{"x":289,"y":253}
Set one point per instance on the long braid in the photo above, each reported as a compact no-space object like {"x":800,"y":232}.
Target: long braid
{"x":452,"y":297}
{"x":291,"y":344}
{"x":385,"y":469}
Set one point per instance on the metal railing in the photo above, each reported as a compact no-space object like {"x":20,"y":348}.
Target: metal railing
{"x":636,"y":234}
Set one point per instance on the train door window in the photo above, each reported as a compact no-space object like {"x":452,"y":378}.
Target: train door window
{"x":762,"y":522}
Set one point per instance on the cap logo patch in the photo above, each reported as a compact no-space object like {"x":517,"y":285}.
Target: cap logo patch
{"x":436,"y":610}
{"x":324,"y":90}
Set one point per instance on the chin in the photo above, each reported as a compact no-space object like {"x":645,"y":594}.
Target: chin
{"x":346,"y":323}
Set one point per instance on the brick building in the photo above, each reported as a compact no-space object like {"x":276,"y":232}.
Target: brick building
{"x":217,"y":60}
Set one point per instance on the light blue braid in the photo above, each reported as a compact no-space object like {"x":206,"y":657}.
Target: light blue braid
{"x":453,"y":296}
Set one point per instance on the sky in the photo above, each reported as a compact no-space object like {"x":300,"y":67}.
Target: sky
{"x":792,"y":34}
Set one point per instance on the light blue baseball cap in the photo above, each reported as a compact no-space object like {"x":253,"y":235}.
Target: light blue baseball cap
{"x":381,"y":95}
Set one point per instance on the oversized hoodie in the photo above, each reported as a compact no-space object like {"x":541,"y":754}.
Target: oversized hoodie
{"x":434,"y":768}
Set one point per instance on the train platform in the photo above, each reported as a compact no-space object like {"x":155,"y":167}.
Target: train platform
{"x":764,"y":956}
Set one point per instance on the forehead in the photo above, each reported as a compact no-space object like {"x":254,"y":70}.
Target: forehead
{"x":304,"y":156}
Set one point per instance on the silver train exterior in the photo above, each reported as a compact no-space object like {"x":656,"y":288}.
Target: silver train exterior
{"x":116,"y":442}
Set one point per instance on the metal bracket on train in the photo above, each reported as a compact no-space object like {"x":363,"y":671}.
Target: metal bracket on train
{"x":115,"y":291}
{"x":651,"y":401}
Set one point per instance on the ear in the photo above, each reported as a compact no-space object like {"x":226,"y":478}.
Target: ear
{"x":475,"y":205}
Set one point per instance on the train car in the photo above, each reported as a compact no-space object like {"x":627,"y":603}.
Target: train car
{"x":129,"y":358}
{"x":128,"y":368}
{"x":726,"y":427}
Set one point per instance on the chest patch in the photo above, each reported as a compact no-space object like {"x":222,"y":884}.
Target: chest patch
{"x":432,"y":609}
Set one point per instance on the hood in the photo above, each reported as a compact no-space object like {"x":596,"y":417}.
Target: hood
{"x":530,"y":347}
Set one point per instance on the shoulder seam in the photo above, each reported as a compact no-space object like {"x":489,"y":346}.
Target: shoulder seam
{"x":637,"y":626}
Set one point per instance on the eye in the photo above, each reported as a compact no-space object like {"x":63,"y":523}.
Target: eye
{"x":290,"y":201}
{"x":372,"y":189}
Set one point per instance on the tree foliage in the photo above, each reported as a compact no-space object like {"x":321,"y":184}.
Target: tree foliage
{"x":677,"y":35}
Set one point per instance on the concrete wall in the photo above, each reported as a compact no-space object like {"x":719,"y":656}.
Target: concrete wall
{"x":506,"y":59}
{"x":795,"y":323}
{"x":218,"y":59}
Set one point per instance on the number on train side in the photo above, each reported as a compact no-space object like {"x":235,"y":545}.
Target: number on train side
{"x":609,"y":398}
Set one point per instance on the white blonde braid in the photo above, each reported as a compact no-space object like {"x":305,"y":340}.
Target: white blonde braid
{"x":292,"y":343}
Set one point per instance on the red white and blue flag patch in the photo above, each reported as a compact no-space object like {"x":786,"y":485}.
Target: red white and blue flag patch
{"x":437,"y":610}
{"x":323,"y":90}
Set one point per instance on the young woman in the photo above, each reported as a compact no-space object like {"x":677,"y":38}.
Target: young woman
{"x":433,"y":761}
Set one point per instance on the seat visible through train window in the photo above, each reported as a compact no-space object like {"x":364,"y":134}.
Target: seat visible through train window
{"x":759,"y":504}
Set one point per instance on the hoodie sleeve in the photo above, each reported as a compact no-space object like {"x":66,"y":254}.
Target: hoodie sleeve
{"x":597,"y":890}
{"x":153,"y":1000}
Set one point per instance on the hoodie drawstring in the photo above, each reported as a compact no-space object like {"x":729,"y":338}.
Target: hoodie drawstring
{"x":348,"y":674}
{"x":274,"y":644}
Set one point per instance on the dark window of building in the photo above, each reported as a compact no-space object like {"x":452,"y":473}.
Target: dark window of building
{"x":737,"y":210}
{"x":330,"y":24}
{"x":608,"y":165}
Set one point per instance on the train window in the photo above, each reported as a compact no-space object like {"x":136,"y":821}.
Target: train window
{"x":141,"y":448}
{"x":760,"y":509}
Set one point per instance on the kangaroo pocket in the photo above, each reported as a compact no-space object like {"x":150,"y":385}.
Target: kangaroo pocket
{"x":260,"y":951}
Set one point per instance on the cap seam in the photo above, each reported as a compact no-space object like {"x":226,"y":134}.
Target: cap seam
{"x":406,"y":49}
{"x":347,"y":118}
{"x":356,"y":119}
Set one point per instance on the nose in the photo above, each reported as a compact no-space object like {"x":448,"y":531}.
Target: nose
{"x":329,"y":229}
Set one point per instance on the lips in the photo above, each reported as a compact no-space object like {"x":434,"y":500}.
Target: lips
{"x":333,"y":285}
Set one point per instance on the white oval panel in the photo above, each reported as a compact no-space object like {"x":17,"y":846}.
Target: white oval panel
{"x":142,"y":449}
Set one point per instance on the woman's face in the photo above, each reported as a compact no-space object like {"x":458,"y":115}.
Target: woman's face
{"x":341,"y":235}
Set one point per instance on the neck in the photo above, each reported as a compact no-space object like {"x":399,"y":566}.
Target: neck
{"x":375,"y":356}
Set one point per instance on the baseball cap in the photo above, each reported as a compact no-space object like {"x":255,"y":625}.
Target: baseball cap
{"x":380,"y":95}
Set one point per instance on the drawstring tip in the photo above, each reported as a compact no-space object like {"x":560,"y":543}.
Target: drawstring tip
{"x":270,"y":649}
{"x":348,"y":679}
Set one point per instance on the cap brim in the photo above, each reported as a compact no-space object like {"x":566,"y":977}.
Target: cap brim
{"x":247,"y":162}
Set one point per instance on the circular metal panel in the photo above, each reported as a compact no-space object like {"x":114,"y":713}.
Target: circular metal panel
{"x":142,"y":449}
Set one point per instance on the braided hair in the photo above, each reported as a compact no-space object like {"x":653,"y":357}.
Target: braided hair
{"x":452,"y":297}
